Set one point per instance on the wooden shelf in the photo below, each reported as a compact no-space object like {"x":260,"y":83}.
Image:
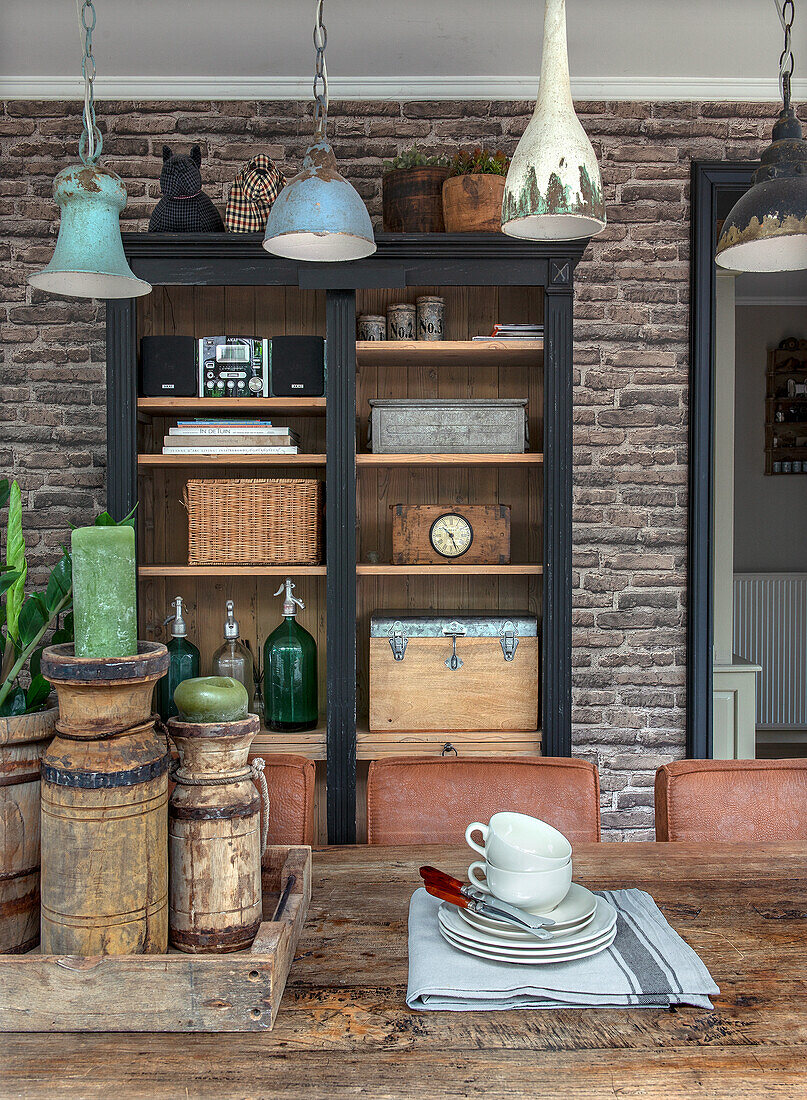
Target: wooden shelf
{"x":199,"y":406}
{"x":448,"y":352}
{"x":531,"y":458}
{"x":311,"y":744}
{"x":145,"y":460}
{"x":198,"y":571}
{"x":385,"y":569}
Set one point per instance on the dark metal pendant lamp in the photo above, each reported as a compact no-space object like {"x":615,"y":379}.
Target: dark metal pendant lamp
{"x":767,"y":228}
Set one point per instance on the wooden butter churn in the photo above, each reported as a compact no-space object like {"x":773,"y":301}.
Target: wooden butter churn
{"x":104,"y":807}
{"x":23,"y":741}
{"x":214,"y":836}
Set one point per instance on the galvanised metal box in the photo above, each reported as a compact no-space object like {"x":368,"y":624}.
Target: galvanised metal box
{"x":413,"y":425}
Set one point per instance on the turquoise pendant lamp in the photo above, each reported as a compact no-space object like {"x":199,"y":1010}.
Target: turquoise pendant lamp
{"x":89,"y":261}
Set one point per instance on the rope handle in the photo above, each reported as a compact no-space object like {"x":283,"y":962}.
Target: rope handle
{"x":257,"y":768}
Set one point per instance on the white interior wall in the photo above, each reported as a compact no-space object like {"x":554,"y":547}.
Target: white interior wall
{"x":770,"y":513}
{"x":619,"y":49}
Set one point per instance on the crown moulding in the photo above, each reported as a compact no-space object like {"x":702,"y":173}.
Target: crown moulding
{"x":640,"y":88}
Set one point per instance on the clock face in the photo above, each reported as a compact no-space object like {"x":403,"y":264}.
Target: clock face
{"x":451,"y":535}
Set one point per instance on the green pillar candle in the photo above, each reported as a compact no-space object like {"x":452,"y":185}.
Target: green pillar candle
{"x":104,"y":591}
{"x":211,"y":699}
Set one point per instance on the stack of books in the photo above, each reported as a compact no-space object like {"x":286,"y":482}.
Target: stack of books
{"x":230,"y":437}
{"x":514,"y":332}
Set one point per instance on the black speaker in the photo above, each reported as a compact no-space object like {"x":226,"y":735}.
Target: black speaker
{"x":168,"y":366}
{"x":297,"y":366}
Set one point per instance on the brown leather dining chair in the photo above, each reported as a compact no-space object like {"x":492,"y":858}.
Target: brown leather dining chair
{"x":431,"y":799}
{"x":290,"y":781}
{"x":732,"y":800}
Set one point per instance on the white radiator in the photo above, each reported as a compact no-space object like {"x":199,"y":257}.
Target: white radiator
{"x":770,"y":629}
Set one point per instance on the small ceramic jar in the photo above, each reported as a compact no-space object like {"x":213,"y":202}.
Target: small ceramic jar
{"x":787,"y":467}
{"x":430,"y":311}
{"x":401,"y":321}
{"x":777,"y":467}
{"x":371,"y":327}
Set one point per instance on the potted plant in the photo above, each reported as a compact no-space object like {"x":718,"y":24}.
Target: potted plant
{"x":27,"y":718}
{"x":473,"y":191}
{"x":411,"y":190}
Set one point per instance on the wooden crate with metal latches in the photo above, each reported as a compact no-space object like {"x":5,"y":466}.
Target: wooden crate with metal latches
{"x":453,"y":671}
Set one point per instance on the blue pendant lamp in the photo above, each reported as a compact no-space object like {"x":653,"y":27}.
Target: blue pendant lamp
{"x":766,"y":230}
{"x":318,"y":215}
{"x":89,"y":261}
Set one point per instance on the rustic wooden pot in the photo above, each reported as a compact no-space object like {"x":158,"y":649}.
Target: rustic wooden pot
{"x":473,"y":203}
{"x":104,"y":807}
{"x":214,"y":838}
{"x":23,"y":741}
{"x":412,"y":200}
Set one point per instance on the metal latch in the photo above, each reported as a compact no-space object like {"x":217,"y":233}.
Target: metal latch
{"x":453,"y":630}
{"x":509,"y":640}
{"x":398,"y":639}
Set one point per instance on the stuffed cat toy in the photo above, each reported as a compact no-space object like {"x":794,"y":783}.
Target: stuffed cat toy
{"x":184,"y":207}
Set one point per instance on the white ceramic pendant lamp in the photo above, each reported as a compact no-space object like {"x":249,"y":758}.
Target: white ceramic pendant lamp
{"x":553,"y":190}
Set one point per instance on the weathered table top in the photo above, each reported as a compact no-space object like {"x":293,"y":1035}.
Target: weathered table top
{"x":344,"y":1028}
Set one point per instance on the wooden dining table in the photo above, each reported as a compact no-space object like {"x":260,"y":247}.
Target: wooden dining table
{"x":344,"y":1029}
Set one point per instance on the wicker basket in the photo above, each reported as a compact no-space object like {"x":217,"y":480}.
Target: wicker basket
{"x":260,"y":521}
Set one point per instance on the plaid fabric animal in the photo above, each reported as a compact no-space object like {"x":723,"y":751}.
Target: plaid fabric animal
{"x":184,"y":207}
{"x":252,"y":194}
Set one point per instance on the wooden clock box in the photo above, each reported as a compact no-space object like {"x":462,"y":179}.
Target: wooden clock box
{"x":425,"y":534}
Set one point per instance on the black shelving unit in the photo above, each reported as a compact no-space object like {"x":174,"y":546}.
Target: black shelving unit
{"x":447,"y":260}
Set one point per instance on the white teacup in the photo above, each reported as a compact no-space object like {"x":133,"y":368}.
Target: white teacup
{"x":541,"y":890}
{"x":517,"y":842}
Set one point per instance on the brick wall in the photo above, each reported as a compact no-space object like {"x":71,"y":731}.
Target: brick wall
{"x":631,"y":317}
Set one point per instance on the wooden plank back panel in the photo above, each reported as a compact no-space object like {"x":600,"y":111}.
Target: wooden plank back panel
{"x":470,"y":311}
{"x":262,"y":311}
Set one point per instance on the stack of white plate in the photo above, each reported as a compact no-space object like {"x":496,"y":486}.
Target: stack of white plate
{"x":584,"y":926}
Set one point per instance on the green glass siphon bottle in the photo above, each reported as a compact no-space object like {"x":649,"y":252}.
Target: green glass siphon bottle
{"x":290,"y":671}
{"x":183,"y":661}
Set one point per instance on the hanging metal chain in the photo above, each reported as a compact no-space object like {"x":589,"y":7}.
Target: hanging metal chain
{"x":91,"y":142}
{"x":320,"y":76}
{"x":786,"y":62}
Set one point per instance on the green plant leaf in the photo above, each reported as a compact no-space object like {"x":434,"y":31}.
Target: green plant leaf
{"x":106,"y":520}
{"x":65,"y":632}
{"x":14,"y":703}
{"x":15,"y":557}
{"x":5,"y":489}
{"x":35,"y":662}
{"x":7,"y":577}
{"x":36,"y":694}
{"x":31,"y":620}
{"x":60,"y":583}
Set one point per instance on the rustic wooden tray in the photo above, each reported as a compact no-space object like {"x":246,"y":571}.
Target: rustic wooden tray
{"x":174,"y":992}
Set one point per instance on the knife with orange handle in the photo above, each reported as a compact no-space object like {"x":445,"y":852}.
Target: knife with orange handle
{"x":451,"y":890}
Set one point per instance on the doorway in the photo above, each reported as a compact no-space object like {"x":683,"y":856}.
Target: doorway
{"x":747,"y":593}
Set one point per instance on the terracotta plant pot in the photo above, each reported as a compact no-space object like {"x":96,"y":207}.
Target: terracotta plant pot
{"x":413,"y":200}
{"x":23,"y":741}
{"x":473,"y":203}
